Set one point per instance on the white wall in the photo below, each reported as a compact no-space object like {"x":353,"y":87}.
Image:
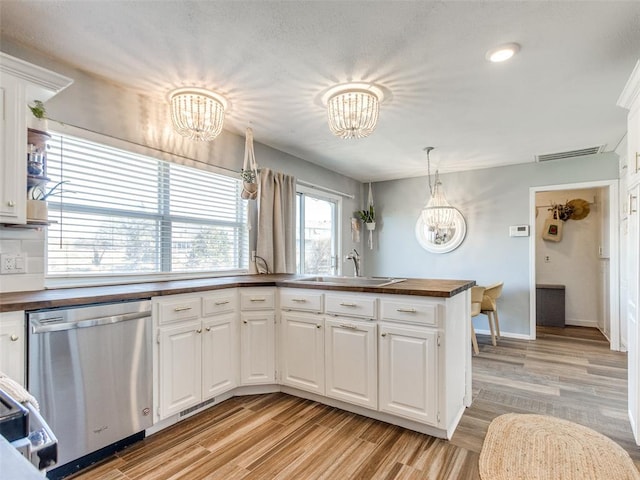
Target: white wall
{"x":94,"y":104}
{"x":491,"y":200}
{"x":574,"y":261}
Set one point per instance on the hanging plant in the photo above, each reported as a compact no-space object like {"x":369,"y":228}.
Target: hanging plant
{"x":367,"y":215}
{"x":249,"y":172}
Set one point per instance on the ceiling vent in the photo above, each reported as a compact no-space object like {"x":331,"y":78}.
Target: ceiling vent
{"x":569,"y":154}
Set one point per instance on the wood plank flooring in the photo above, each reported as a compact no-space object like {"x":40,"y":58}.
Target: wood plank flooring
{"x":568,"y":373}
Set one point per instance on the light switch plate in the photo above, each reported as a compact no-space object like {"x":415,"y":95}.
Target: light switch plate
{"x":11,"y":263}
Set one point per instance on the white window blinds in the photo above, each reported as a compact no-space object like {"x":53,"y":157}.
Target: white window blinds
{"x":123,"y":213}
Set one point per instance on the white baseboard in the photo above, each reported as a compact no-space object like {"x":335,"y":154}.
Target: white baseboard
{"x":520,"y":336}
{"x":577,"y":322}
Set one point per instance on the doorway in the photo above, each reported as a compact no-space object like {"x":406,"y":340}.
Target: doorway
{"x":583,"y":256}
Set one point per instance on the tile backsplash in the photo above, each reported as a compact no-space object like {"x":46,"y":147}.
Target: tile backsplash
{"x":30,"y":242}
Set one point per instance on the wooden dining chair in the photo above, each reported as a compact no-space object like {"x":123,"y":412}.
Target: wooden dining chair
{"x":477,"y":294}
{"x":489,"y":307}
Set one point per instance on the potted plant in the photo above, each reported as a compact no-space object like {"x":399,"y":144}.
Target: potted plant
{"x":249,"y":184}
{"x":39,"y":120}
{"x":37,"y":201}
{"x":368,"y":216}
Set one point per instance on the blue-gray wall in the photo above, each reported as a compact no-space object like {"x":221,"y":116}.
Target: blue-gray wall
{"x":490,"y":200}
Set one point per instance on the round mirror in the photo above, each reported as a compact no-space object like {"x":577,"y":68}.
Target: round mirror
{"x":441,"y":240}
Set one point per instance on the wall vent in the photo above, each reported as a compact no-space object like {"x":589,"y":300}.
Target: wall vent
{"x":546,"y":157}
{"x":197,"y":407}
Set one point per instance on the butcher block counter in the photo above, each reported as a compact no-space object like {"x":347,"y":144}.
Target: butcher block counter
{"x":64,"y":297}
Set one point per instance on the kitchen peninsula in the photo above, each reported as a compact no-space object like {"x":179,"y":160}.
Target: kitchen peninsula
{"x":397,"y":352}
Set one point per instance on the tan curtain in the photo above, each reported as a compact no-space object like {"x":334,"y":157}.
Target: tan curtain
{"x":276,"y":239}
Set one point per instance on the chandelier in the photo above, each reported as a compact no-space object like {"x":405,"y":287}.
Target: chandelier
{"x":197,"y":113}
{"x":437,"y":214}
{"x":352,"y":109}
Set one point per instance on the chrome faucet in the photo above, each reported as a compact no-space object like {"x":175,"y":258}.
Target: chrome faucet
{"x":355,"y":256}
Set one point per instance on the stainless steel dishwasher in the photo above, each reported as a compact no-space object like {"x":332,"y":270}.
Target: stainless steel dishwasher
{"x":90,"y":369}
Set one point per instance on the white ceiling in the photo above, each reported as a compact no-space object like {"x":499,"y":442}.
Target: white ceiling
{"x":273,"y":59}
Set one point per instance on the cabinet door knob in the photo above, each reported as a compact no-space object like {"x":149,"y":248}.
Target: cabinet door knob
{"x":14,"y":338}
{"x":245,"y":322}
{"x":208,"y":329}
{"x":199,"y":330}
{"x":11,"y":203}
{"x":318,"y":326}
{"x":383,"y":334}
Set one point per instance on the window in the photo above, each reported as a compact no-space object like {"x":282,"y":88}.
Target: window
{"x":124,"y":213}
{"x":317,"y":233}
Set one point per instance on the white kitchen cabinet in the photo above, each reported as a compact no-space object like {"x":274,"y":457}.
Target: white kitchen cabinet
{"x":257,"y":336}
{"x":219,"y":355}
{"x":12,"y":345}
{"x":180,"y":366}
{"x":21,"y":83}
{"x":409,"y":371}
{"x":630,"y":99}
{"x":197,"y":348}
{"x":302,"y":351}
{"x":257,"y":347}
{"x":351,"y":361}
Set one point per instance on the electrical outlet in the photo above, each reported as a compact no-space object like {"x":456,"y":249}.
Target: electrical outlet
{"x":11,"y":263}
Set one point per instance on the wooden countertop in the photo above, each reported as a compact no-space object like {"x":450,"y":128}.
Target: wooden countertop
{"x":64,"y":297}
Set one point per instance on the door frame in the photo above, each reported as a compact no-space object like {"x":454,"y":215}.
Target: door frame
{"x":614,"y":253}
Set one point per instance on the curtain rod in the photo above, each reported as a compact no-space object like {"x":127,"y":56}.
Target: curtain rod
{"x":325,"y":189}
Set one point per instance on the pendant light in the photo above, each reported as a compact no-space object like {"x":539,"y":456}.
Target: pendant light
{"x":438,"y":213}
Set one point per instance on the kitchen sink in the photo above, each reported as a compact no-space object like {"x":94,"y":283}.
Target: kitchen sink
{"x":351,"y":281}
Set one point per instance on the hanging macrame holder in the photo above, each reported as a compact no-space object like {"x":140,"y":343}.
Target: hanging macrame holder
{"x":371,"y":226}
{"x":249,"y":189}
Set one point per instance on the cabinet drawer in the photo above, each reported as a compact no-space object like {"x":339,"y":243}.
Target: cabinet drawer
{"x":176,"y":310}
{"x":218,"y":303}
{"x":301,"y":300}
{"x":409,"y":311}
{"x":351,"y":305}
{"x":257,"y":299}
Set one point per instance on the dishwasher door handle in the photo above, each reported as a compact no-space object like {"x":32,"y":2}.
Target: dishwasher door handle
{"x":43,"y":327}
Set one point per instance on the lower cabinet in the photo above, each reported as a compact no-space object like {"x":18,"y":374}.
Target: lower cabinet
{"x":197,"y":349}
{"x":409,"y":372}
{"x":219,"y":355}
{"x":257,"y":347}
{"x":12,"y":345}
{"x":180,"y":366}
{"x":351,"y":361}
{"x":302,"y":351}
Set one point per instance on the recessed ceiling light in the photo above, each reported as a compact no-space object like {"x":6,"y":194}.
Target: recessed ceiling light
{"x":503,"y":52}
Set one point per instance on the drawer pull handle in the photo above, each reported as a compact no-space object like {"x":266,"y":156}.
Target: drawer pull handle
{"x":11,"y":203}
{"x":350,"y":327}
{"x":406,"y":310}
{"x":182,"y":309}
{"x":14,"y":338}
{"x":383,"y":334}
{"x":299,"y":300}
{"x":631,"y":200}
{"x":221,"y":303}
{"x":345,"y":304}
{"x":637,"y":157}
{"x":259,"y":299}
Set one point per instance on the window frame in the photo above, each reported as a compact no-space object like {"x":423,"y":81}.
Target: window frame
{"x":304,"y":192}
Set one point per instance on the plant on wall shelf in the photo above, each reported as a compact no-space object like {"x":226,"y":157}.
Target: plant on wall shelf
{"x":38,"y":110}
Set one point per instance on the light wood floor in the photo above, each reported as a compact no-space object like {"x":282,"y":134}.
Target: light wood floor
{"x":568,"y":373}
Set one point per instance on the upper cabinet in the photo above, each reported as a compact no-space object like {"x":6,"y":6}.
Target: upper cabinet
{"x":21,"y":83}
{"x":630,"y":99}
